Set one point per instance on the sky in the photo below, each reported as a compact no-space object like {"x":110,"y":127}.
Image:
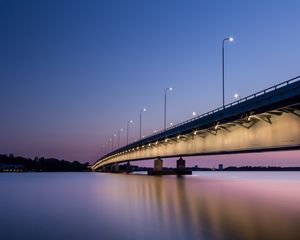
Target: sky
{"x":74,"y":72}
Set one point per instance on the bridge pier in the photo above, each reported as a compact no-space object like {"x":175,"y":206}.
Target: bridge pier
{"x":116,"y":168}
{"x":158,"y":164}
{"x":181,"y":170}
{"x":180,"y":163}
{"x":158,"y":168}
{"x":128,"y":167}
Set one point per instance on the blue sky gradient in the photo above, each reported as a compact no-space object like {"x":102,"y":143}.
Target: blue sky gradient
{"x":73,"y":72}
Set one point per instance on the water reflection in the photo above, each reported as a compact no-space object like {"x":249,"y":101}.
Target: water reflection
{"x":200,"y":208}
{"x":112,"y":206}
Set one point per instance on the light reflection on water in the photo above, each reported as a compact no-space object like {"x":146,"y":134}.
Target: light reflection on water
{"x":209,"y":205}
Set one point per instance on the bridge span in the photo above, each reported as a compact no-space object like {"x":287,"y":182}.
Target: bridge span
{"x":268,"y":120}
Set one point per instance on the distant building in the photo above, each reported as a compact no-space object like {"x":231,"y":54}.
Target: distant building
{"x":220,"y":167}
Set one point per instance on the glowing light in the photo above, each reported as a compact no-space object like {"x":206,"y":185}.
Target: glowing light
{"x":231,"y":39}
{"x":237,"y":96}
{"x":194,"y":113}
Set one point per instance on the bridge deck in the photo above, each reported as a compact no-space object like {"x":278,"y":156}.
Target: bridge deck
{"x":276,"y":97}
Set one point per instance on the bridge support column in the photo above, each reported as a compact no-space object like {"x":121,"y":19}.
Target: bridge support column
{"x":104,"y":169}
{"x":181,"y":170}
{"x":158,"y":164}
{"x":128,"y":167}
{"x":116,"y":167}
{"x":180,"y":164}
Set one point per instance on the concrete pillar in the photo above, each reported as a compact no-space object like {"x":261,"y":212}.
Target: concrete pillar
{"x":128,"y":167}
{"x":180,"y":163}
{"x":158,"y":164}
{"x":116,"y":167}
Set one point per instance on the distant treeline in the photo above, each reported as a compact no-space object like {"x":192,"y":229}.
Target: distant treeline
{"x":10,"y":162}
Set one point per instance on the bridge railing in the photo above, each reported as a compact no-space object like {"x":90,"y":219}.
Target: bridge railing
{"x":267,"y":90}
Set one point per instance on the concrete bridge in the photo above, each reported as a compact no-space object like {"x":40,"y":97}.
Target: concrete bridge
{"x":268,"y":120}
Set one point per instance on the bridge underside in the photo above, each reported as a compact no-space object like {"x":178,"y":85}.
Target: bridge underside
{"x":277,"y":129}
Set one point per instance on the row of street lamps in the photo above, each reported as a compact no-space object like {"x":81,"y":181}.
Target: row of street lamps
{"x":106,"y":147}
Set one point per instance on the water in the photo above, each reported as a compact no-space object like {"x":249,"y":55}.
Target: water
{"x":210,"y":205}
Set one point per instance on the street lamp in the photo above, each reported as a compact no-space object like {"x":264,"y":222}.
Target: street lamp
{"x":112,"y":142}
{"x":103,"y":149}
{"x":165,"y":108}
{"x":194,"y":114}
{"x":130,"y":121}
{"x":106,"y":147}
{"x":120,"y":130}
{"x":142,"y":110}
{"x":230,"y":39}
{"x":237,"y":96}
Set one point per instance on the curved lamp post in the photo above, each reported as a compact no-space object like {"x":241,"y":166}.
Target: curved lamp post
{"x":112,"y":141}
{"x":120,"y":130}
{"x":141,"y":111}
{"x":229,"y":39}
{"x":127,"y":135}
{"x":165,"y":108}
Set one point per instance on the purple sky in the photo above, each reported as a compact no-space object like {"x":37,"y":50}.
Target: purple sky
{"x":74,"y":72}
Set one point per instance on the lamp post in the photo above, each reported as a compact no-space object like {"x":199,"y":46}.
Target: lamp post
{"x":141,"y":111}
{"x":120,"y":130}
{"x":230,"y":39}
{"x":106,"y":147}
{"x":237,"y":96}
{"x":112,"y":142}
{"x":127,"y":135}
{"x":103,"y":149}
{"x":165,"y":108}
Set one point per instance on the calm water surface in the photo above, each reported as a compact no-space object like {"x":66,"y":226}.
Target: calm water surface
{"x":212,"y":205}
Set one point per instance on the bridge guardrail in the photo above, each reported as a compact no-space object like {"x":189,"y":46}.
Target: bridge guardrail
{"x":267,"y":90}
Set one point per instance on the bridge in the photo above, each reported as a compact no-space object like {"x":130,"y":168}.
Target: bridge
{"x":268,"y":120}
